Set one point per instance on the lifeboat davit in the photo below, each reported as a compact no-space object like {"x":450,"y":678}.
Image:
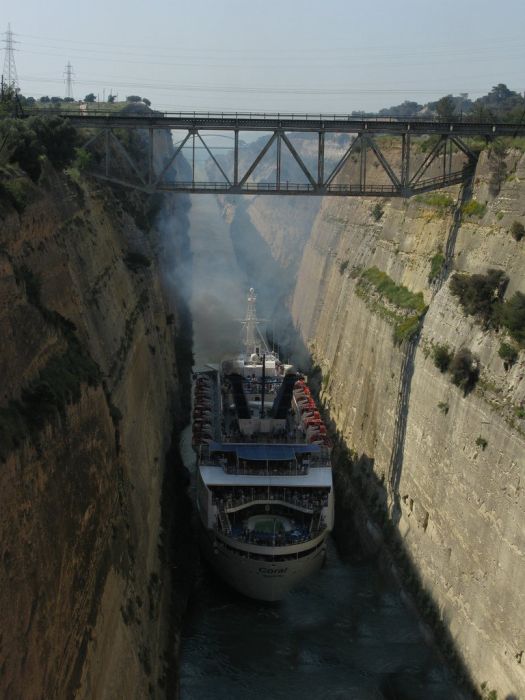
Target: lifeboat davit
{"x":311,"y":422}
{"x":311,"y":414}
{"x":201,"y":412}
{"x":203,"y":394}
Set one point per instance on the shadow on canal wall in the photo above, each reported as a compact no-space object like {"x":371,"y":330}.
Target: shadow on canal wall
{"x":364,"y":530}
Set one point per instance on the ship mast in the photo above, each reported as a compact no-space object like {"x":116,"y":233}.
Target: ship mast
{"x":253,"y":338}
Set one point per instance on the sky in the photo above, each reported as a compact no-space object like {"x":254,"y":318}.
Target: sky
{"x":327,"y":56}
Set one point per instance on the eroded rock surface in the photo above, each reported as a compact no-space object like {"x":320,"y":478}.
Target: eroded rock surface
{"x":85,"y":583}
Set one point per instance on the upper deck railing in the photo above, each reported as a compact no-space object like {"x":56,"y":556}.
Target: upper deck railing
{"x":293,"y":121}
{"x":318,"y":459}
{"x":305,"y":500}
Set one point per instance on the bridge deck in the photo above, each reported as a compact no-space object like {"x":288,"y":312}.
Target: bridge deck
{"x":224,"y":121}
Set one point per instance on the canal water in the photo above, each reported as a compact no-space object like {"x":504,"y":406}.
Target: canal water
{"x":345,"y":633}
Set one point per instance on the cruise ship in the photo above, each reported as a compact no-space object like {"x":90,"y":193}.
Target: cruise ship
{"x":264,"y":482}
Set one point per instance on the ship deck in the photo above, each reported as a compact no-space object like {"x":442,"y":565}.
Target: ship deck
{"x":316,"y":477}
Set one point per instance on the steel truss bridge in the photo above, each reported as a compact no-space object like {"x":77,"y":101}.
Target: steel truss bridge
{"x":319,"y":173}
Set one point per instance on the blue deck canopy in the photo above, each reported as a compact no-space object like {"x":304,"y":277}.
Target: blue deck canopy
{"x":264,"y":453}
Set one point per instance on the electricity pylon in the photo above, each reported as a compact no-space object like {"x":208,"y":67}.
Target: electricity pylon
{"x":10,"y":74}
{"x":69,"y":79}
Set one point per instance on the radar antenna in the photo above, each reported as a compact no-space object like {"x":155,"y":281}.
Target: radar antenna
{"x":253,"y":338}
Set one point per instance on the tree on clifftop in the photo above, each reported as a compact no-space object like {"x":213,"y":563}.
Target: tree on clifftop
{"x":500,"y":93}
{"x":502,"y":102}
{"x":445,"y":107}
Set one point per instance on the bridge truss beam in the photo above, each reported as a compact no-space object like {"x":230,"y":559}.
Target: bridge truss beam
{"x":406,"y":173}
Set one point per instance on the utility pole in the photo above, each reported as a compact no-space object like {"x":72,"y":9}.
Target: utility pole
{"x":68,"y":72}
{"x":10,"y":74}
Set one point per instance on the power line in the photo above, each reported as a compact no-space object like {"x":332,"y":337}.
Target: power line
{"x":10,"y":75}
{"x":291,"y":62}
{"x":501,"y":42}
{"x":99,"y":81}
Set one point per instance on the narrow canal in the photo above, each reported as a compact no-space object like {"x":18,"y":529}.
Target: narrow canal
{"x":344,"y":633}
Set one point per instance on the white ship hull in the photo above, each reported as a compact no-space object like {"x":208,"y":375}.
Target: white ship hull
{"x":264,"y":483}
{"x":257,"y":578}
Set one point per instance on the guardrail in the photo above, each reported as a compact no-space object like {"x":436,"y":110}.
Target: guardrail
{"x":284,"y":187}
{"x":272,"y":116}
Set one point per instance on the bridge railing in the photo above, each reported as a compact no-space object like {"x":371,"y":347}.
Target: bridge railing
{"x":264,"y":116}
{"x":283,"y":187}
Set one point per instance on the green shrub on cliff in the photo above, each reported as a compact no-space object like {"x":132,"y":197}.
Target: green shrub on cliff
{"x":479,"y":295}
{"x":397,"y":294}
{"x":437,"y":263}
{"x":17,"y":191}
{"x":136,"y":261}
{"x":481,"y":442}
{"x":405,"y":324}
{"x":474,"y":208}
{"x":508,"y":353}
{"x":464,"y":369}
{"x":511,"y":314}
{"x":517,"y":230}
{"x":444,"y":407}
{"x":27,"y":141}
{"x":442,"y":357}
{"x":58,"y":383}
{"x":497,"y":166}
{"x":405,"y":330}
{"x":377,"y":211}
{"x":82,"y":159}
{"x":440,"y":200}
{"x":488,"y":694}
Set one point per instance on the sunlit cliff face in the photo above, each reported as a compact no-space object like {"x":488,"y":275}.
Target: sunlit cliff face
{"x":458,"y":515}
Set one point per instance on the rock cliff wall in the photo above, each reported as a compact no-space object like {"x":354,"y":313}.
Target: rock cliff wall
{"x":93,"y":349}
{"x":447,"y":467}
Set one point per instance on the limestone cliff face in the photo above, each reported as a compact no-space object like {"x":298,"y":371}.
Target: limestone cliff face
{"x":448,"y":467}
{"x":89,"y":397}
{"x":461,"y":505}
